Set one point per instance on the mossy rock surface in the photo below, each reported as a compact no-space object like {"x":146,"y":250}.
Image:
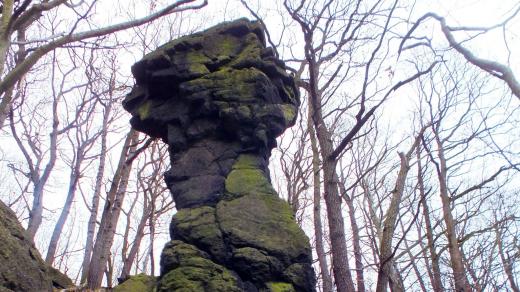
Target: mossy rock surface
{"x":177,"y":253}
{"x":256,"y":265}
{"x":279,"y":287}
{"x":264,"y":222}
{"x":198,"y":226}
{"x":21,"y":266}
{"x":219,"y":98}
{"x":248,"y":177}
{"x":137,"y":283}
{"x":199,"y":274}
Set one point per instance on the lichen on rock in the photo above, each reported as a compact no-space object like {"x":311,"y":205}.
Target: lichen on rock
{"x":220,"y":98}
{"x":22,"y":268}
{"x":137,"y":283}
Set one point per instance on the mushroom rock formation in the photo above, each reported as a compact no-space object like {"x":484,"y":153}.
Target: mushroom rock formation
{"x":219,"y":98}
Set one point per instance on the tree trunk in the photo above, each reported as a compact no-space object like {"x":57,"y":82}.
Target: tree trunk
{"x":130,"y":258}
{"x":111,"y":211}
{"x":5,"y":38}
{"x":65,"y":211}
{"x":340,"y":264}
{"x":435,"y":273}
{"x":506,"y":262}
{"x":35,"y":216}
{"x":459,"y":273}
{"x":318,"y":226}
{"x":91,"y":229}
{"x":356,"y":242}
{"x":386,"y":260}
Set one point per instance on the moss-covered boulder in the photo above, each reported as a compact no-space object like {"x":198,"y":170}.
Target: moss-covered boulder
{"x":266,"y":223}
{"x":137,"y":283}
{"x":219,"y":98}
{"x":199,"y":226}
{"x":21,"y":266}
{"x":185,"y":268}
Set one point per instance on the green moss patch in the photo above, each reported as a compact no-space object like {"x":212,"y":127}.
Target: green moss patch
{"x":137,"y":283}
{"x":280,"y":287}
{"x":264,"y":222}
{"x":198,"y":226}
{"x":199,"y":274}
{"x":144,"y":109}
{"x":246,"y":178}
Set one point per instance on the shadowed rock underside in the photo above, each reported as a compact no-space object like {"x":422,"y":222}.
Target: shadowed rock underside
{"x":219,"y":98}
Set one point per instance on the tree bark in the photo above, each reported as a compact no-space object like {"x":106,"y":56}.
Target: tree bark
{"x":318,"y":226}
{"x":506,"y":262}
{"x":65,"y":211}
{"x":130,"y":258}
{"x":435,"y":273}
{"x":89,"y":243}
{"x":35,"y":216}
{"x":340,"y":263}
{"x":111,"y":211}
{"x":457,"y":264}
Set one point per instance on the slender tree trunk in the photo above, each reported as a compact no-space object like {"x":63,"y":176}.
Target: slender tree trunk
{"x":459,"y":273}
{"x":340,"y":263}
{"x":413,"y":261}
{"x":109,"y":273}
{"x":65,"y":211}
{"x":130,"y":258}
{"x":35,"y":216}
{"x":91,"y":229}
{"x":396,"y":281}
{"x":111,"y":211}
{"x":318,"y":226}
{"x":506,"y":262}
{"x":152,"y":237}
{"x":5,"y":38}
{"x":385,"y":244}
{"x":435,"y":273}
{"x":356,"y":242}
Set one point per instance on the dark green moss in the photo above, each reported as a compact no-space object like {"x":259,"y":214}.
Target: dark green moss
{"x":264,"y":222}
{"x":199,"y":274}
{"x":137,"y":283}
{"x":198,"y":226}
{"x":246,"y":178}
{"x":280,"y":287}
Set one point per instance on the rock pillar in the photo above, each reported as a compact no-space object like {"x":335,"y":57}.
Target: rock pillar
{"x":219,"y":98}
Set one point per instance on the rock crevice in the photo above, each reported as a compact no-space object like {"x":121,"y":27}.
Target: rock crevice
{"x":219,"y":98}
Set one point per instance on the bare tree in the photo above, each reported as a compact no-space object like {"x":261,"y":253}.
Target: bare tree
{"x":21,"y":16}
{"x":496,"y":69}
{"x":112,"y":210}
{"x":155,"y":200}
{"x":321,"y":25}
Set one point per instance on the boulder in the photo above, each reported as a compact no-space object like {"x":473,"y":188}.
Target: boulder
{"x":22,"y":268}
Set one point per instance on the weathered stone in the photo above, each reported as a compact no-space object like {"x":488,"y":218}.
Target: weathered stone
{"x":199,"y":274}
{"x":256,"y":265}
{"x":137,"y":283}
{"x":197,"y":191}
{"x":219,"y":98}
{"x":279,"y":287}
{"x":22,"y":268}
{"x":300,"y":275}
{"x":264,"y":222}
{"x":248,"y":177}
{"x":177,"y":253}
{"x":198,"y":226}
